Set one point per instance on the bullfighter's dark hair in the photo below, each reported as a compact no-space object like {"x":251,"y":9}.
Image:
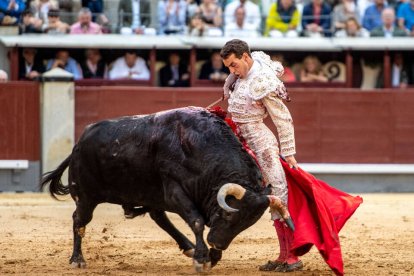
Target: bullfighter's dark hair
{"x":235,"y":46}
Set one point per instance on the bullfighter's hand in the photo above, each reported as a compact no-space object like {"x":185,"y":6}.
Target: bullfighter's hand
{"x":292,"y":162}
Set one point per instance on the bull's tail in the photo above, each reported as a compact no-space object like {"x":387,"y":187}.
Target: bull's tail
{"x":54,"y":177}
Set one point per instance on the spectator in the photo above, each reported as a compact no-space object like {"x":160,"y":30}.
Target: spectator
{"x":207,"y":19}
{"x":316,"y":19}
{"x":343,"y":12}
{"x":405,"y":15}
{"x":55,"y":25}
{"x":283,"y":19}
{"x":288,"y":75}
{"x":30,"y":67}
{"x":312,"y":70}
{"x":388,"y":29}
{"x":192,"y":7}
{"x":3,"y":76}
{"x":85,"y":24}
{"x":135,"y":16}
{"x":29,"y":23}
{"x":10,"y":11}
{"x":95,"y":6}
{"x":66,"y":8}
{"x":172,"y":17}
{"x":214,"y":69}
{"x":94,"y":67}
{"x":64,"y":61}
{"x":40,"y":9}
{"x":174,"y":73}
{"x":240,"y":27}
{"x":399,"y":73}
{"x":352,"y":29}
{"x":372,"y":15}
{"x":253,"y":17}
{"x":129,"y":66}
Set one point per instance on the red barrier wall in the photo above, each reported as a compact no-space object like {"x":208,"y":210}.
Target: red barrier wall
{"x":19,"y":121}
{"x":332,"y":126}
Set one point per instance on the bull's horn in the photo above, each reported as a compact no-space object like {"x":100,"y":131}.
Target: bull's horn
{"x":229,"y":189}
{"x":276,"y":204}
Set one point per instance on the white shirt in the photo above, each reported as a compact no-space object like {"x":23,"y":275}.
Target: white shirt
{"x":234,"y":30}
{"x":252,"y":13}
{"x":136,"y":20}
{"x":396,"y":75}
{"x":120,"y":70}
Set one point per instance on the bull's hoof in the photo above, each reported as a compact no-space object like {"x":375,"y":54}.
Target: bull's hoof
{"x":201,"y":267}
{"x":189,"y":253}
{"x":215,"y":256}
{"x":77,"y":262}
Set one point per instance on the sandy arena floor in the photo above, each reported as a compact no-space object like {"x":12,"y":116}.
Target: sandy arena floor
{"x":36,"y":239}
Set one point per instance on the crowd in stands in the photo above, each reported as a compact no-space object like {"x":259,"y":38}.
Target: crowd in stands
{"x":232,"y":18}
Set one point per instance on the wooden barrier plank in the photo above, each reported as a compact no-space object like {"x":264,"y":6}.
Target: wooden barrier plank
{"x":20,"y":121}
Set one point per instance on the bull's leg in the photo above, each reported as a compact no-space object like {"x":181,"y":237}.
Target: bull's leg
{"x":179,"y":201}
{"x":162,"y":221}
{"x":81,"y":217}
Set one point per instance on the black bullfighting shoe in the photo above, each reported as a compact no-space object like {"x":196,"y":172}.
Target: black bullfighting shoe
{"x":290,"y":267}
{"x":270,"y":266}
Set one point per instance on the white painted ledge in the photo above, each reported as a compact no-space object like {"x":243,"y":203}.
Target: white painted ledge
{"x":333,"y":168}
{"x":14,"y":164}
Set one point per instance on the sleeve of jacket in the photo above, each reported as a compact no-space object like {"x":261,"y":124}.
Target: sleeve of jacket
{"x":283,"y":121}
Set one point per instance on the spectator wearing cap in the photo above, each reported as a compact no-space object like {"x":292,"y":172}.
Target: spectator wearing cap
{"x":388,"y":29}
{"x":129,"y":66}
{"x":54,"y":24}
{"x":85,"y":24}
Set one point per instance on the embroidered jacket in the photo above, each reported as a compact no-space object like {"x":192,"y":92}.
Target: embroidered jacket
{"x":259,"y":95}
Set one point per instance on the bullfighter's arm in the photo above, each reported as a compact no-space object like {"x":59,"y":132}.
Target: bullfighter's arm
{"x":283,"y":120}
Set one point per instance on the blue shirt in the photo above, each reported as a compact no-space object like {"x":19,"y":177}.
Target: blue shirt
{"x":372,"y":17}
{"x":405,"y":11}
{"x":71,"y":66}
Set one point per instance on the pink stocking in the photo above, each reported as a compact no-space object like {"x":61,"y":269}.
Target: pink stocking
{"x":280,"y":231}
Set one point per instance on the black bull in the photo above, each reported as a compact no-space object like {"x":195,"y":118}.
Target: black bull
{"x":184,"y":161}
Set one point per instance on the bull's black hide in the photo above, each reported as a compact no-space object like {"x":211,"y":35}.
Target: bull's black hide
{"x":174,"y":161}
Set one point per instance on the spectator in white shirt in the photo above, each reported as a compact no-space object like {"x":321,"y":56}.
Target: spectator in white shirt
{"x":240,"y":27}
{"x":129,"y":66}
{"x":252,"y":17}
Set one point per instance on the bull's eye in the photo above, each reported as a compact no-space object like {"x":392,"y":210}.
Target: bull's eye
{"x":227,"y":215}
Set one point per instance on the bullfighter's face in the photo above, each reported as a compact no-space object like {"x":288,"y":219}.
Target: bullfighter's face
{"x":239,"y":66}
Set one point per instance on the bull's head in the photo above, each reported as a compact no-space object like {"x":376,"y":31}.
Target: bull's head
{"x":229,"y":222}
